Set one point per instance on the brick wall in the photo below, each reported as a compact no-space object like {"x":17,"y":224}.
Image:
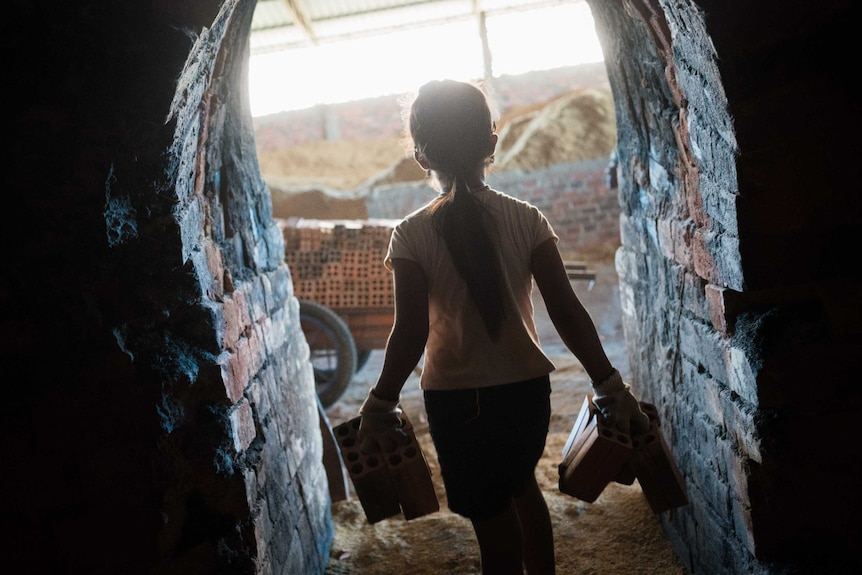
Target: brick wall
{"x":576,"y":200}
{"x":730,"y":279}
{"x":164,"y":419}
{"x":574,"y":197}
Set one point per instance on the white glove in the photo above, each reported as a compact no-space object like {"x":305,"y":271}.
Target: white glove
{"x":380,"y":427}
{"x":619,"y":408}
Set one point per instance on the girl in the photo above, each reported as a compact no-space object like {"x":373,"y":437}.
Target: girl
{"x":463,"y":269}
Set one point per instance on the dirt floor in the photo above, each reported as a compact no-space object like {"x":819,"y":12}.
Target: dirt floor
{"x":615,"y":535}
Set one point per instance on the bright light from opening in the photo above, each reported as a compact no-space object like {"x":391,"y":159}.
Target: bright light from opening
{"x":400,"y":62}
{"x":543,"y":39}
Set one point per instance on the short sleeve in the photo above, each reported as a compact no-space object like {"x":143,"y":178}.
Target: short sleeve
{"x":399,"y":246}
{"x":543,"y":229}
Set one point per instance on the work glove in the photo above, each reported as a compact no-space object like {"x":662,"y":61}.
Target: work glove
{"x":380,"y":426}
{"x":618,"y":407}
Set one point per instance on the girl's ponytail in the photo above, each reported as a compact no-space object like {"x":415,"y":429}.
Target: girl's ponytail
{"x":451,"y":127}
{"x":468,"y":230}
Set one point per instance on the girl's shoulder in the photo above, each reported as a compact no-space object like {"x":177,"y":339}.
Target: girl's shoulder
{"x":416,"y":222}
{"x":417,"y":217}
{"x":511,"y":203}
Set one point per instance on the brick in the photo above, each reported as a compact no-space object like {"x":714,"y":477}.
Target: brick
{"x":373,"y":486}
{"x":391,"y":483}
{"x":234,"y":368}
{"x":242,"y":422}
{"x":594,"y":456}
{"x":655,"y":468}
{"x":411,"y":477}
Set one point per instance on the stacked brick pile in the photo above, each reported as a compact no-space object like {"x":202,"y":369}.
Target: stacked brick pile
{"x":339,"y":263}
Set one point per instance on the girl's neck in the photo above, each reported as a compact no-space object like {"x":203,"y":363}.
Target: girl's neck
{"x":477,"y":182}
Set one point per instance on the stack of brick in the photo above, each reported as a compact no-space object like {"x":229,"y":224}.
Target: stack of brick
{"x":339,"y":263}
{"x":596,"y":454}
{"x":397,"y":481}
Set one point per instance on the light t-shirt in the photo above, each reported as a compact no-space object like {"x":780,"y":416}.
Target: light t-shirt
{"x":459,"y":352}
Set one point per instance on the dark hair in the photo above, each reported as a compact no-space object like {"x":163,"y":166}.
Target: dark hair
{"x":451,"y":125}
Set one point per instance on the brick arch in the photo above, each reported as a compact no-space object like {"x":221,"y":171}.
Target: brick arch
{"x":151,"y":396}
{"x":730,"y":278}
{"x":167,"y":423}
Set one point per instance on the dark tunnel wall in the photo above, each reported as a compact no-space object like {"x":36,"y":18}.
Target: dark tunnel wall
{"x":159,"y":414}
{"x":162,"y":416}
{"x":732,"y":118}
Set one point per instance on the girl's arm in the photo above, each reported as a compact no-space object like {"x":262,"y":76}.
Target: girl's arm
{"x":410,"y":331}
{"x":381,"y":426}
{"x":613,"y":396}
{"x":570,"y":318}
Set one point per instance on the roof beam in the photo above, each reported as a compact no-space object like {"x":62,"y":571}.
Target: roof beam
{"x":301,"y":18}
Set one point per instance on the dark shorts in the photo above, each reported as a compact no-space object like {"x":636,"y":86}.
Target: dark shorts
{"x":488,"y":441}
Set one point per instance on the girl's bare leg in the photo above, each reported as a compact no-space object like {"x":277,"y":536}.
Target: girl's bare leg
{"x":500,"y":543}
{"x":521,"y":536}
{"x":538,"y":535}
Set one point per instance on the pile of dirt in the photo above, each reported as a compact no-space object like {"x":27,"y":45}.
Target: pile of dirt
{"x":404,"y":170}
{"x":574,"y":127}
{"x":336,"y":165}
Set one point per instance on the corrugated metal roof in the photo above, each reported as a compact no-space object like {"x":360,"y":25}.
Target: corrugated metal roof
{"x":277,"y":13}
{"x":285,"y":23}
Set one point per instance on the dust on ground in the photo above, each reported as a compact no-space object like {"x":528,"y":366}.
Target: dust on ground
{"x":615,"y":535}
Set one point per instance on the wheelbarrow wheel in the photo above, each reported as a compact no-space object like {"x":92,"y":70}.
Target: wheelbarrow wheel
{"x":332,"y":350}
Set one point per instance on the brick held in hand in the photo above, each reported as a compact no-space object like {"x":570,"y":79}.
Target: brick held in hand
{"x":411,"y":477}
{"x":368,"y":474}
{"x":594,"y":455}
{"x":388,"y":483}
{"x":626,"y":476}
{"x":332,"y":461}
{"x":656,"y":471}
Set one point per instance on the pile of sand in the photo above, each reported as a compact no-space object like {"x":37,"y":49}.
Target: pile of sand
{"x":311,"y":180}
{"x":575,"y":127}
{"x":336,"y":165}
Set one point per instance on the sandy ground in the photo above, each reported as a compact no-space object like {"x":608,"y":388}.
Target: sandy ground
{"x":617,"y":534}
